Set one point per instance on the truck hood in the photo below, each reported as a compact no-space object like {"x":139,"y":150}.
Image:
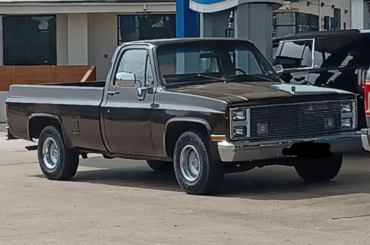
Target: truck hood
{"x":235,"y":92}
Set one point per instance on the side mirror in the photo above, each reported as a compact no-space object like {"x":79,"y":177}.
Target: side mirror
{"x":125,"y":79}
{"x":279,"y":69}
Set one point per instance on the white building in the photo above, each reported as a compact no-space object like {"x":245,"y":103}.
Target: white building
{"x":313,"y":15}
{"x":78,"y":32}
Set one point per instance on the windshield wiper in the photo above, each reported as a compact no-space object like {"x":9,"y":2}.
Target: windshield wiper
{"x":210,"y":77}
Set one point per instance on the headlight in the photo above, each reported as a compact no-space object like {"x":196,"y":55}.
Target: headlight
{"x":347,"y":107}
{"x":346,"y":122}
{"x":239,"y":115}
{"x":349,"y":117}
{"x":239,"y":131}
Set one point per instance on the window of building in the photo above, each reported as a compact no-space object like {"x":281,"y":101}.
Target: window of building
{"x":292,"y":23}
{"x":29,"y":40}
{"x":144,"y":27}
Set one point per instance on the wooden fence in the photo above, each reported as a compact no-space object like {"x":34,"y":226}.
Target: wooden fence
{"x":44,"y":74}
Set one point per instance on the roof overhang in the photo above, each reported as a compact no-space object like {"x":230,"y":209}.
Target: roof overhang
{"x":67,"y":7}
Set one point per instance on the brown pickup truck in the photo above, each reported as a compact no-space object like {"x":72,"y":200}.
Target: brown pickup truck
{"x":200,"y":107}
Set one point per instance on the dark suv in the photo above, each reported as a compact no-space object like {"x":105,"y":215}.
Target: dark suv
{"x":335,"y":59}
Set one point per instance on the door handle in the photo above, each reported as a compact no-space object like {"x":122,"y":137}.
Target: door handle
{"x":112,"y":92}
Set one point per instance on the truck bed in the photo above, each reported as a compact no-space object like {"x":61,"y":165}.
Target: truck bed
{"x":76,"y":105}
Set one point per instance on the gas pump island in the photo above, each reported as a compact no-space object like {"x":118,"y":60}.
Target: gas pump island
{"x":245,"y":19}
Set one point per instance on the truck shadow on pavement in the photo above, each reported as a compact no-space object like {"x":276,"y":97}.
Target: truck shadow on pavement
{"x":269,"y":183}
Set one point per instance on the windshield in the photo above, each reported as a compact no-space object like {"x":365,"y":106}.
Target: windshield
{"x":209,"y":61}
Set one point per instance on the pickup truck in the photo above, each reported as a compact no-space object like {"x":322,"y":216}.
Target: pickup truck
{"x":198,"y":107}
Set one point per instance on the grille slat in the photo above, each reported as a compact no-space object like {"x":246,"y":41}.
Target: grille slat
{"x":296,"y":119}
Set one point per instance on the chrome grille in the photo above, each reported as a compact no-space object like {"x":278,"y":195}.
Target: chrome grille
{"x":296,"y":119}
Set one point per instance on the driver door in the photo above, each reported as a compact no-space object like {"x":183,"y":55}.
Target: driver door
{"x":127,"y":108}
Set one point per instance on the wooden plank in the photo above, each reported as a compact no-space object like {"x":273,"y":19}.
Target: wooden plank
{"x":70,"y":73}
{"x":34,"y":74}
{"x":7,"y":75}
{"x":89,"y":75}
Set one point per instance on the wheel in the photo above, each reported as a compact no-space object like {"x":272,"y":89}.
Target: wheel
{"x":57,"y":162}
{"x":160,"y":166}
{"x":195,"y":170}
{"x":323,"y":169}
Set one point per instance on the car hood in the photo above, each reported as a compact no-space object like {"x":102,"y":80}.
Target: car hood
{"x":235,"y":92}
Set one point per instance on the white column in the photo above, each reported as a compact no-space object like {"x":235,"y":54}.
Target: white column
{"x":1,"y":42}
{"x":77,"y":39}
{"x":357,"y":14}
{"x":62,"y":39}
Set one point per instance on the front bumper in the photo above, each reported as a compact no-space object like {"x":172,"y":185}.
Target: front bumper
{"x":248,"y":151}
{"x":365,"y":137}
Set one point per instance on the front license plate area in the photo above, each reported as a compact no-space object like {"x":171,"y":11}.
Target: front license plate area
{"x":308,"y":150}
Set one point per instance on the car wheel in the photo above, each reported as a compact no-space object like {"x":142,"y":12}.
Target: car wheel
{"x":196,"y":171}
{"x":57,"y":162}
{"x":322,"y":169}
{"x":160,"y":166}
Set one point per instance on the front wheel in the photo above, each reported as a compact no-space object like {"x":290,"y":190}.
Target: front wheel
{"x":323,"y":169}
{"x":196,"y":171}
{"x":57,"y":162}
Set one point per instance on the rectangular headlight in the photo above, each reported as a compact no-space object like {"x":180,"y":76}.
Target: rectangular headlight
{"x":346,"y":122}
{"x":347,"y":107}
{"x":239,"y":115}
{"x":239,"y":131}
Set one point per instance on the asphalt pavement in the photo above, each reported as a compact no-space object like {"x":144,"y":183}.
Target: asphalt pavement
{"x":124,"y":202}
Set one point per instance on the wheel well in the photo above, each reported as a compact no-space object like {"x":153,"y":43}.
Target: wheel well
{"x":175,"y":129}
{"x":36,"y":125}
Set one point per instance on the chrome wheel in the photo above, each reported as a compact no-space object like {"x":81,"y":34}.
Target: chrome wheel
{"x":190,"y":163}
{"x":50,"y":153}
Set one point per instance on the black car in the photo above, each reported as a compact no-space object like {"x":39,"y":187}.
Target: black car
{"x":334,"y":59}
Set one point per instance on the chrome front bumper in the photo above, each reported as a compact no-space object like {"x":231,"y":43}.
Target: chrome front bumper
{"x":365,"y":137}
{"x":248,"y":151}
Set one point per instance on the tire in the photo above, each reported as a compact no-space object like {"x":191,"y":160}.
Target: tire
{"x":195,"y":170}
{"x":57,"y":162}
{"x":160,"y":166}
{"x":323,"y":169}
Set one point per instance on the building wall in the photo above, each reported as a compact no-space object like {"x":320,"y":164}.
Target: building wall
{"x":326,"y":10}
{"x":102,"y":41}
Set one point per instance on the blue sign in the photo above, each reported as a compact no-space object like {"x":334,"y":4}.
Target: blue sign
{"x":210,"y":6}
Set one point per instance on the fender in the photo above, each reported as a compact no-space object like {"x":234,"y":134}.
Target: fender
{"x":186,"y":119}
{"x":42,"y":115}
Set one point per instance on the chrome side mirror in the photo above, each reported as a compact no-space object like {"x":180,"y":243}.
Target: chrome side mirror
{"x":278,"y":69}
{"x":125,"y":79}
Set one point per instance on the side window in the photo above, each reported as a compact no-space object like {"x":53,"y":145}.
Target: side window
{"x":134,"y":61}
{"x":295,"y":54}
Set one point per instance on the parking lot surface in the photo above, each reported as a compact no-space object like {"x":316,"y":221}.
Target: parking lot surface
{"x":124,"y":202}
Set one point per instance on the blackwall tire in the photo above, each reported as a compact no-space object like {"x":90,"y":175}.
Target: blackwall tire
{"x":323,"y":169}
{"x":195,"y":170}
{"x":57,"y":162}
{"x":160,"y":166}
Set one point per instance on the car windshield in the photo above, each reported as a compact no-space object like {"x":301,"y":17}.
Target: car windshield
{"x":210,"y":61}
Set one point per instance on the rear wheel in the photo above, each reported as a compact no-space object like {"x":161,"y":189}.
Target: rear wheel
{"x":196,"y":171}
{"x":160,"y":166}
{"x":323,"y":169}
{"x":57,"y":162}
